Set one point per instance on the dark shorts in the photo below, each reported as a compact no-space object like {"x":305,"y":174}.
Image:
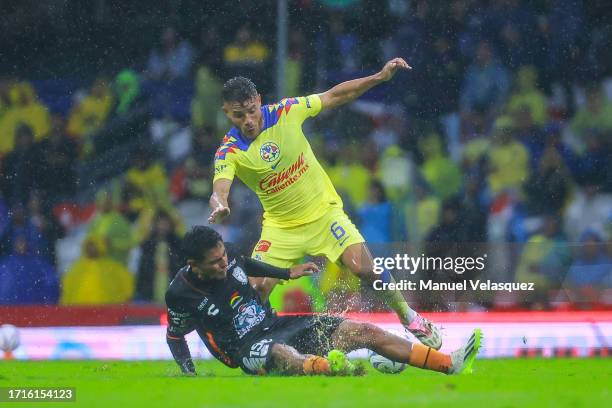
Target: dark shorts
{"x":307,"y":334}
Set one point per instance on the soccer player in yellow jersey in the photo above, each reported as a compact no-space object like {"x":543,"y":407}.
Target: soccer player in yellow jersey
{"x":303,"y":214}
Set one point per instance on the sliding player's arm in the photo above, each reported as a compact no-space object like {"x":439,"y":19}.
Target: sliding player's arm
{"x":180,"y":324}
{"x":218,"y":200}
{"x":350,"y":90}
{"x":256,"y":269}
{"x":260,"y":269}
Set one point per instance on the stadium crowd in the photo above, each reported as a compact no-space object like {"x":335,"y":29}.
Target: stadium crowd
{"x":498,"y":141}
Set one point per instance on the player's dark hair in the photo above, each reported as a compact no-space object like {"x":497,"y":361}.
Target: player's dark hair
{"x":239,"y":89}
{"x":199,"y":240}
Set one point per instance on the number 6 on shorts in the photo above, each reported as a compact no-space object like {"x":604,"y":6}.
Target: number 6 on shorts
{"x":337,"y":230}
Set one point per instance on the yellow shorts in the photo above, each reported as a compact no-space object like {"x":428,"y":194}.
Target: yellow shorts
{"x":328,"y":236}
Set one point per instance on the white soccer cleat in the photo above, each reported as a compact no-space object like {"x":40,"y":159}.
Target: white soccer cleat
{"x":426,"y":332}
{"x":463,"y":358}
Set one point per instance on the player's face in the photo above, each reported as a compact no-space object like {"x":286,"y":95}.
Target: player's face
{"x":246,"y":116}
{"x":214,"y":264}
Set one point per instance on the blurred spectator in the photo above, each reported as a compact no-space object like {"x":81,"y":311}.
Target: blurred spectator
{"x":207,"y":101}
{"x":247,"y":57}
{"x":473,"y":213}
{"x":295,"y":61}
{"x":350,"y":176}
{"x":508,"y":159}
{"x":513,"y":24}
{"x":18,"y":167}
{"x":548,"y":187}
{"x":160,"y":259}
{"x":544,"y":261}
{"x":592,"y":267}
{"x":172,"y":60}
{"x":486,"y":83}
{"x":204,"y":145}
{"x":90,"y":113}
{"x":127,"y":91}
{"x":190,"y":180}
{"x":146,"y":183}
{"x":440,"y":172}
{"x":5,"y":217}
{"x":396,"y":171}
{"x":387,"y":131}
{"x":95,"y":278}
{"x":597,"y":62}
{"x":24,"y":109}
{"x":444,"y":241}
{"x":527,"y":95}
{"x":210,"y":48}
{"x":595,"y":115}
{"x":414,"y":36}
{"x":553,"y":140}
{"x":376,"y":216}
{"x":113,"y":228}
{"x":145,"y":192}
{"x":422,"y":215}
{"x":27,"y":278}
{"x":439,"y":79}
{"x":528,"y":133}
{"x":56,"y":162}
{"x":21,"y":226}
{"x":562,"y":29}
{"x":589,"y":208}
{"x":338,"y":40}
{"x":40,"y":217}
{"x":450,"y":230}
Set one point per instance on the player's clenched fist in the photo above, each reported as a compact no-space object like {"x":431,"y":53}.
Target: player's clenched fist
{"x":306,"y":269}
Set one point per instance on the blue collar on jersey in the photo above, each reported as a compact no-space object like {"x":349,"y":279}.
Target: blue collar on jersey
{"x":242,"y":142}
{"x":270,"y":118}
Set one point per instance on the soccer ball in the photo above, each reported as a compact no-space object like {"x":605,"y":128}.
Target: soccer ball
{"x":384,"y":365}
{"x":9,"y":338}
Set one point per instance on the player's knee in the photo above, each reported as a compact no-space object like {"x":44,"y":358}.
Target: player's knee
{"x":364,"y":271}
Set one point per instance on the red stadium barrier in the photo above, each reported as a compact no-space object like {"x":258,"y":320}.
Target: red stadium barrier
{"x":117,"y":315}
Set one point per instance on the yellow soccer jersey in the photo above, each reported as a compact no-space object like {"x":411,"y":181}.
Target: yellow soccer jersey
{"x":279,"y":165}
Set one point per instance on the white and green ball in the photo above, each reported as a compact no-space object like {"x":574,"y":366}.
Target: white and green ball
{"x":384,"y":365}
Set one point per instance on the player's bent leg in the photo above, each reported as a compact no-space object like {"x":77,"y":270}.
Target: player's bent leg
{"x":358,"y":259}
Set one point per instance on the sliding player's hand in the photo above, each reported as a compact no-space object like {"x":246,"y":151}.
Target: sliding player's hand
{"x":307,"y":269}
{"x":392,"y":67}
{"x":218,"y":214}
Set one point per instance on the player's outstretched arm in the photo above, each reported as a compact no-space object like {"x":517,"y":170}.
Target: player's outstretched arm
{"x":353,"y":89}
{"x":218,"y":201}
{"x":180,"y":324}
{"x":180,"y":351}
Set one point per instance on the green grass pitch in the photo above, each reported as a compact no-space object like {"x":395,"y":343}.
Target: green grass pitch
{"x":494,"y":383}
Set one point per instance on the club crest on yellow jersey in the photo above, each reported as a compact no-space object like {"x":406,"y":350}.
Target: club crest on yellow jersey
{"x":269,"y":152}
